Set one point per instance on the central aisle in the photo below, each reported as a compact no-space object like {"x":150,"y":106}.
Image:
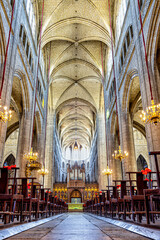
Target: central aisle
{"x":77,"y":226}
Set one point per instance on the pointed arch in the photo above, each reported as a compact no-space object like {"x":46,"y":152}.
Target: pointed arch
{"x":25,"y":89}
{"x":141,"y":163}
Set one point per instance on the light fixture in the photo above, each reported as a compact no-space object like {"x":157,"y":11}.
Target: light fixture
{"x":32,"y":163}
{"x":5,"y":115}
{"x":107,"y":171}
{"x":119,"y":155}
{"x":152,"y":114}
{"x":43,"y":171}
{"x":75,"y":146}
{"x":31,"y":156}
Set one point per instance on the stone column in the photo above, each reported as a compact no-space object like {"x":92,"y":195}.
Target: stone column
{"x":49,"y":159}
{"x":127,"y":144}
{"x":10,"y":66}
{"x":115,"y":165}
{"x":24,"y":141}
{"x":152,"y":131}
{"x":102,"y":159}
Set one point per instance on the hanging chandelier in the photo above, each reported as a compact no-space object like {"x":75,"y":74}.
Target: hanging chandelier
{"x":107,"y":171}
{"x":75,"y":146}
{"x":32,"y":163}
{"x":119,"y":155}
{"x":31,"y":156}
{"x":5,"y":115}
{"x":152,"y":113}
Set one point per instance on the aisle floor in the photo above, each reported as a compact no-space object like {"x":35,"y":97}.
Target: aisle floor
{"x":77,"y":226}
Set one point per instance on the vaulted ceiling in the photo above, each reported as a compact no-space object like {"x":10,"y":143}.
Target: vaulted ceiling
{"x":73,"y":33}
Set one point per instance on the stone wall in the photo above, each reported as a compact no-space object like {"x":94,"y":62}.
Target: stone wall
{"x":132,"y":90}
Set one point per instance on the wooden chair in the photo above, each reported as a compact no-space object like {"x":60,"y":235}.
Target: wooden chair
{"x":108,"y":204}
{"x":118,"y":201}
{"x":102,"y":203}
{"x":29,"y":203}
{"x":137,"y":201}
{"x":10,"y":203}
{"x":152,"y":196}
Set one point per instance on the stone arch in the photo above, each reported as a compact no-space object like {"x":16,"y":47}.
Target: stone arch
{"x":77,"y":61}
{"x":59,"y":107}
{"x":76,"y":194}
{"x":140,"y":143}
{"x":24,"y":88}
{"x":10,"y":153}
{"x":113,"y":123}
{"x":11,"y":140}
{"x":141,"y":163}
{"x":10,"y":160}
{"x":20,"y":101}
{"x":127,"y":88}
{"x":11,"y":129}
{"x":73,"y":20}
{"x":140,"y":128}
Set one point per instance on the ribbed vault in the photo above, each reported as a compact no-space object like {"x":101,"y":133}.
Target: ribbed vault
{"x":73,"y":33}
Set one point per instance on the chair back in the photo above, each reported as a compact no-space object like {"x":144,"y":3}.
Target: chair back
{"x":4,"y":181}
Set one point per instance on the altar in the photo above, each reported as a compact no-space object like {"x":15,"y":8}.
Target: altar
{"x":75,"y":207}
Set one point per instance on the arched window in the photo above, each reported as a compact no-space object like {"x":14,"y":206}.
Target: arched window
{"x":88,"y":165}
{"x":127,"y":41}
{"x":24,"y":39}
{"x":131,"y":32}
{"x":112,"y":90}
{"x":63,"y":178}
{"x":141,"y":2}
{"x":27,"y":49}
{"x":121,"y":12}
{"x":31,"y":16}
{"x":11,"y":2}
{"x":21,"y":31}
{"x":10,"y":160}
{"x":141,"y":163}
{"x":88,"y":178}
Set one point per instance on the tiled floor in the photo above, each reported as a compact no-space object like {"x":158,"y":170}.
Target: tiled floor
{"x":77,"y":226}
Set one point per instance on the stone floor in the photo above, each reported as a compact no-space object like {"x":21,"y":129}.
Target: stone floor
{"x":77,"y":226}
